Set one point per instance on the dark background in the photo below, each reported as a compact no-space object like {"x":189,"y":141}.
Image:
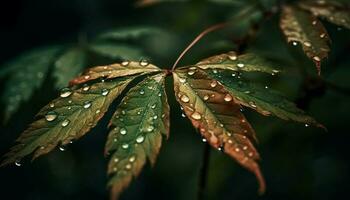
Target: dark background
{"x":298,"y":162}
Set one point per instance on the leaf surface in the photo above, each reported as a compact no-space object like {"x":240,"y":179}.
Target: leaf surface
{"x":213,"y":112}
{"x":28,"y":72}
{"x":130,"y":33}
{"x":66,"y":118}
{"x":232,"y":61}
{"x":332,"y":11}
{"x":300,"y":26}
{"x":69,"y":65}
{"x":262,"y":99}
{"x":125,"y":68}
{"x":136,"y":132}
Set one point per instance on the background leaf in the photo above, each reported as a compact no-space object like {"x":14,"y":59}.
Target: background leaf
{"x":137,"y":128}
{"x":300,"y":26}
{"x":69,"y":65}
{"x":27,"y":73}
{"x":126,"y":52}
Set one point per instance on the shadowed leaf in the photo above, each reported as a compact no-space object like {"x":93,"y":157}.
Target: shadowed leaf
{"x":66,"y":118}
{"x":69,"y":65}
{"x":232,"y":61}
{"x":332,"y":11}
{"x":300,"y":26}
{"x":130,"y":33}
{"x":213,"y":112}
{"x":114,"y":51}
{"x":28,"y":73}
{"x":136,"y":131}
{"x":116,"y":70}
{"x":261,"y":99}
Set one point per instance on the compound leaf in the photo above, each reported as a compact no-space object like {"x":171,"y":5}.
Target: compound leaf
{"x":114,"y":51}
{"x":28,"y":72}
{"x":332,"y":11}
{"x":69,"y":65}
{"x":300,"y":26}
{"x":66,"y":118}
{"x":211,"y":109}
{"x":232,"y":61}
{"x":261,"y":99}
{"x":136,"y":132}
{"x":125,"y":68}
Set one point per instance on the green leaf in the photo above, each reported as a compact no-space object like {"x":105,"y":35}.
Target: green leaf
{"x":125,"y":68}
{"x":136,"y":131}
{"x":232,"y":61}
{"x":126,"y":52}
{"x":300,"y":26}
{"x":69,"y":65}
{"x":130,"y":33}
{"x":211,"y":109}
{"x":334,"y":12}
{"x":151,"y":2}
{"x":66,"y":118}
{"x":24,"y":75}
{"x":261,"y":99}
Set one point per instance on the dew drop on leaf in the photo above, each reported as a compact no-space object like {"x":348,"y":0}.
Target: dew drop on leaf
{"x":191,"y":72}
{"x":182,"y":80}
{"x":123,"y":131}
{"x":306,"y":125}
{"x":86,"y":77}
{"x":307,"y":44}
{"x":240,"y":65}
{"x":245,"y":147}
{"x":323,"y":35}
{"x":295,"y":43}
{"x":50,"y":116}
{"x":125,"y":146}
{"x":142,"y":92}
{"x":153,"y":106}
{"x":317,"y":59}
{"x":87,"y":104}
{"x":150,"y":128}
{"x":116,"y":160}
{"x":213,"y":84}
{"x":144,"y":62}
{"x":206,"y":97}
{"x":232,"y":55}
{"x":125,"y":63}
{"x":204,"y":140}
{"x":18,"y":163}
{"x":132,"y":159}
{"x":228,"y":98}
{"x":86,"y":87}
{"x":65,"y":123}
{"x":105,"y":92}
{"x":140,"y":139}
{"x":184,"y":98}
{"x":128,"y":166}
{"x":196,"y":116}
{"x":183,"y":115}
{"x":61,"y":148}
{"x":52,"y":105}
{"x":65,"y":92}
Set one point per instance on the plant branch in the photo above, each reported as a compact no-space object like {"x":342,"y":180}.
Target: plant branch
{"x":200,"y":36}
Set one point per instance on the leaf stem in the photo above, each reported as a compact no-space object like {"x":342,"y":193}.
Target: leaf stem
{"x":200,"y":36}
{"x":203,"y":176}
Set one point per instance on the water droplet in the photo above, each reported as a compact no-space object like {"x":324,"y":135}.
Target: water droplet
{"x":240,"y":65}
{"x":52,"y":105}
{"x":98,"y":111}
{"x":323,"y":35}
{"x":184,"y":98}
{"x":132,"y":159}
{"x":140,"y":139}
{"x":182,"y":80}
{"x":150,"y":128}
{"x":215,"y":71}
{"x":230,"y":141}
{"x":86,"y":77}
{"x":306,"y":125}
{"x":237,"y":149}
{"x":183,"y":115}
{"x":245,"y":147}
{"x":61,"y":148}
{"x":232,"y":55}
{"x":307,"y":44}
{"x":142,"y":92}
{"x":65,"y":123}
{"x":191,"y":72}
{"x":87,"y":104}
{"x":205,"y":97}
{"x":18,"y":163}
{"x":252,"y":104}
{"x":228,"y":98}
{"x":204,"y":140}
{"x":266,"y":87}
{"x":317,"y":59}
{"x":65,"y":92}
{"x":125,"y":63}
{"x":122,"y":131}
{"x":153,"y":106}
{"x":50,"y":116}
{"x":314,"y":22}
{"x":116,"y":160}
{"x":105,"y":92}
{"x":295,"y":43}
{"x":128,"y":166}
{"x":196,"y":116}
{"x":213,"y":84}
{"x":144,"y":62}
{"x":125,"y":146}
{"x":86,"y":87}
{"x":250,"y":154}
